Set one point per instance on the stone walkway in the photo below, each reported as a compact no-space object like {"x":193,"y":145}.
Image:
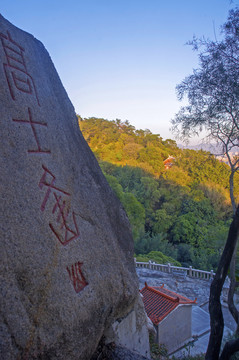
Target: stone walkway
{"x":200,"y":334}
{"x":191,"y":288}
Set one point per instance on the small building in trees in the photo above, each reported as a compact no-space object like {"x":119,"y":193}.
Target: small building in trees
{"x":171,"y":315}
{"x":168,"y":163}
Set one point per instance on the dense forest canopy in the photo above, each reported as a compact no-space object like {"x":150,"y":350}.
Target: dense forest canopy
{"x":181,"y":210}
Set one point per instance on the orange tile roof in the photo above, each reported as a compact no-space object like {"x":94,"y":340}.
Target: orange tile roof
{"x":168,"y":160}
{"x":159,"y":302}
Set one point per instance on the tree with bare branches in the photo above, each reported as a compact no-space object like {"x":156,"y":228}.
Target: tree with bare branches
{"x":213,"y":105}
{"x":213,"y":94}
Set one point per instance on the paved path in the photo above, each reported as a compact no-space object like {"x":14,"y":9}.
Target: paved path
{"x":200,"y":334}
{"x":191,"y":288}
{"x":200,"y":321}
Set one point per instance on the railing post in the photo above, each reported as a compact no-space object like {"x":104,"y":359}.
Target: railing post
{"x":211,"y":274}
{"x":225,"y":289}
{"x":169,"y":268}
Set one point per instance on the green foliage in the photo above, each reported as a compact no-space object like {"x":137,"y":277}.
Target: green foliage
{"x":132,"y":206}
{"x":183,"y":212}
{"x":158,"y":257}
{"x":119,"y":143}
{"x":135,"y":212}
{"x":158,"y":352}
{"x":157,"y":242}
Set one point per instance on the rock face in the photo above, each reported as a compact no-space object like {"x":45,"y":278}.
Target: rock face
{"x":67,"y":270}
{"x":131,"y":332}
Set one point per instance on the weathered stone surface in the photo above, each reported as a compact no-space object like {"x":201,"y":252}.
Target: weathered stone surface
{"x":112,"y":351}
{"x":67,"y":270}
{"x":131,"y":331}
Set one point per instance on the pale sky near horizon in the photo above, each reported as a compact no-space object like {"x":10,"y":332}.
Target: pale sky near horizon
{"x":121,"y":59}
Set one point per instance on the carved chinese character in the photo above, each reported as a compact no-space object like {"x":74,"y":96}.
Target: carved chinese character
{"x":64,"y":233}
{"x":17,"y":76}
{"x":65,"y":227}
{"x":33,"y":125}
{"x":76,"y":276}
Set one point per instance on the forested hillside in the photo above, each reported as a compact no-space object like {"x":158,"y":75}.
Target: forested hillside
{"x":182,"y":211}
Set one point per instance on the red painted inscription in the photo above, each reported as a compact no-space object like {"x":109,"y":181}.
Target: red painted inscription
{"x":33,"y":125}
{"x":63,"y":231}
{"x":76,"y":276}
{"x":65,"y":227}
{"x":17,"y":75}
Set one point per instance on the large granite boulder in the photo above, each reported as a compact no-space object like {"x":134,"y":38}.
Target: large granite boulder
{"x":67,"y":271}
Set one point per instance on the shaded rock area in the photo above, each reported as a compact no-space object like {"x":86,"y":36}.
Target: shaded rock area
{"x":112,"y":351}
{"x":67,"y":271}
{"x":120,"y":353}
{"x":131,"y":332}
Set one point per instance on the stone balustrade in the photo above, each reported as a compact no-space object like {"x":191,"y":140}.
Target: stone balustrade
{"x":170,"y":269}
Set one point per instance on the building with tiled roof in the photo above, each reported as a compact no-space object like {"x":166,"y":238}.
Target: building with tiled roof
{"x":168,"y":163}
{"x":171,"y":315}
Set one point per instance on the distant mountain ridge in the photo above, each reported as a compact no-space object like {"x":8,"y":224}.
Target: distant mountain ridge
{"x":215,"y":149}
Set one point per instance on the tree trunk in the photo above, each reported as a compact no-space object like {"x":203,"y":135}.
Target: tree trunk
{"x":231,"y":182}
{"x":229,"y":349}
{"x":231,"y":305}
{"x":216,"y":316}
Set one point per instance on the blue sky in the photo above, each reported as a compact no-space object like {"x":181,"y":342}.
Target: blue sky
{"x":121,"y":58}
